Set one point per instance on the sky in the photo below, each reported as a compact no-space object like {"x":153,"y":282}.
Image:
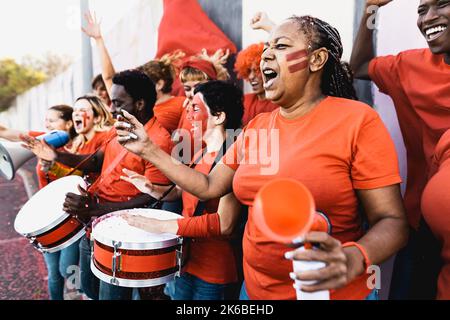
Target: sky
{"x":34,"y":27}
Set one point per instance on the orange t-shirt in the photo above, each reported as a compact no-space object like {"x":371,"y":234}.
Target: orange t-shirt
{"x":419,"y":84}
{"x":109,"y":187}
{"x":92,"y":145}
{"x":210,"y":259}
{"x":169,"y":113}
{"x":340,"y":146}
{"x":436,"y":209}
{"x":253,"y":106}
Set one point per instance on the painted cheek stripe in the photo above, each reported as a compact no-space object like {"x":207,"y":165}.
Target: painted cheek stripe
{"x":298,"y":66}
{"x":296,"y":55}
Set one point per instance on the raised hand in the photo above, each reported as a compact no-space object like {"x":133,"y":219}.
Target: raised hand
{"x":140,"y":182}
{"x":261,"y":21}
{"x":131,"y":134}
{"x":219,"y":57}
{"x":39,"y":147}
{"x":92,"y":28}
{"x":379,"y":3}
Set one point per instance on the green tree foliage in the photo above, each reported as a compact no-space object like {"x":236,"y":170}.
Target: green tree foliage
{"x":15,"y":79}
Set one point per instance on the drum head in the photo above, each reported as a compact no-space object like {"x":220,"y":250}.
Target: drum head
{"x":46,"y":207}
{"x":112,"y":227}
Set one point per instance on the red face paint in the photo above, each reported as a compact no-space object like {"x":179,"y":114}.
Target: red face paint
{"x":85,"y":118}
{"x":297,"y":56}
{"x":197,"y":113}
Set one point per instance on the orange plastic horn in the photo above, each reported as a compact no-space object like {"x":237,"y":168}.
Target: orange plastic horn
{"x":284,"y":210}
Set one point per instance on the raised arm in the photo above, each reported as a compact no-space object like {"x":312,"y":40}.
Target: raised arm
{"x":10,"y":134}
{"x":261,"y":21}
{"x":363,"y":49}
{"x":132,"y":135}
{"x":93,"y":30}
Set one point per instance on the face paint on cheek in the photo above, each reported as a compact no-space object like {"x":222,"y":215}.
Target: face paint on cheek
{"x":293,"y":60}
{"x":86,"y":118}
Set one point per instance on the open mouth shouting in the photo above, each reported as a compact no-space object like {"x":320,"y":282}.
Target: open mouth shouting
{"x":79,"y":124}
{"x":434,"y":32}
{"x":269,"y":76}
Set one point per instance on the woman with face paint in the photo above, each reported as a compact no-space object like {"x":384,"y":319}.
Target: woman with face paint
{"x":92,"y":121}
{"x":211,"y":267}
{"x":247,"y":68}
{"x":338,"y":147}
{"x":418,"y":81}
{"x":194,"y":71}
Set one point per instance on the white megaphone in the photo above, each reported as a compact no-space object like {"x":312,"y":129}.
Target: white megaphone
{"x":13,"y":155}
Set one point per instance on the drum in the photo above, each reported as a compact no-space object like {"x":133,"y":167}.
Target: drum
{"x":43,"y":221}
{"x":130,"y":257}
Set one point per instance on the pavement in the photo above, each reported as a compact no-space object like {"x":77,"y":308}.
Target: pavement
{"x":22,"y":268}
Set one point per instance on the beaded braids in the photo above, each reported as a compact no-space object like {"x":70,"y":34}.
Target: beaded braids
{"x":337,"y":78}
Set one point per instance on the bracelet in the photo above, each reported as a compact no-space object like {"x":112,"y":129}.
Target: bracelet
{"x":363,"y":251}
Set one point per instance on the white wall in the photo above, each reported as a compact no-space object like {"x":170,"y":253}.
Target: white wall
{"x":339,"y":14}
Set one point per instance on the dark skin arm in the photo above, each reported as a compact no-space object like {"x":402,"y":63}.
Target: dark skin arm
{"x":85,"y":206}
{"x":45,"y":152}
{"x":388,"y":234}
{"x":363,"y":50}
{"x":205,"y":187}
{"x":73,"y":160}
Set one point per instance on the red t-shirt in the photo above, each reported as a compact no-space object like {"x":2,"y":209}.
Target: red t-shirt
{"x":92,"y":145}
{"x":169,"y":113}
{"x":210,"y":259}
{"x":419,"y":84}
{"x":436,"y":209}
{"x":109,"y":187}
{"x":340,"y":146}
{"x":254,"y":106}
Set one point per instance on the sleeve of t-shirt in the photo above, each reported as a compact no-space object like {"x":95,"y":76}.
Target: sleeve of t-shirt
{"x":383,"y":71}
{"x":35,"y":134}
{"x":374,"y":161}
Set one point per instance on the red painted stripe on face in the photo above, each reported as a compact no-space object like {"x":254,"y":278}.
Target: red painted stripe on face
{"x":298,"y":66}
{"x":296,"y":55}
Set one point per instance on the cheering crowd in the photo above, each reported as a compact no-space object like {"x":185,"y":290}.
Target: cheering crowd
{"x":125,"y":140}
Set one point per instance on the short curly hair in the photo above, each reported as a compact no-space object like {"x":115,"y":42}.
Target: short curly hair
{"x":224,"y":96}
{"x":248,"y":59}
{"x":139,"y":86}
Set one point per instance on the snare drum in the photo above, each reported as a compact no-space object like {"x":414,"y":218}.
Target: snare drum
{"x":130,"y":257}
{"x":43,"y":221}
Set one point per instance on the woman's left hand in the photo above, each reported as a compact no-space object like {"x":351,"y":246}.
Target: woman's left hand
{"x":146,"y":224}
{"x":342,"y":265}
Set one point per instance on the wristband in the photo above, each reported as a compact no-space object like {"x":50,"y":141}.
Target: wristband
{"x":363,"y":251}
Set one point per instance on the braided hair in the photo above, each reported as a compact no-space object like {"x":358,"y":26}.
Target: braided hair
{"x":337,"y":78}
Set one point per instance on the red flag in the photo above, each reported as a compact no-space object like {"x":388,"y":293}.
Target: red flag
{"x":186,"y":26}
